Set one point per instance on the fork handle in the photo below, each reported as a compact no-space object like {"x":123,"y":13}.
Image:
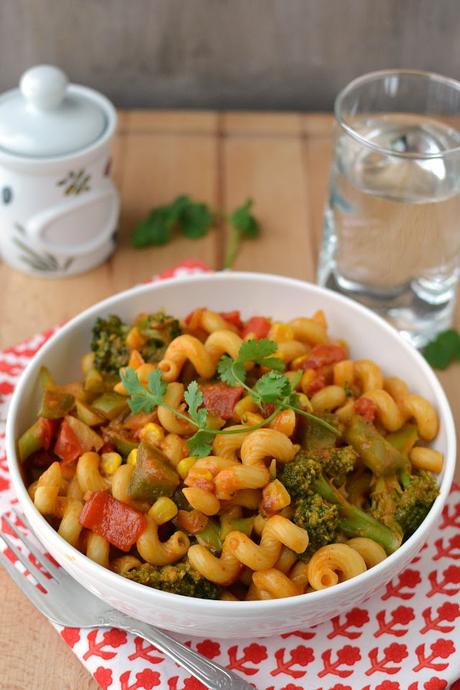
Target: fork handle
{"x":213,"y":675}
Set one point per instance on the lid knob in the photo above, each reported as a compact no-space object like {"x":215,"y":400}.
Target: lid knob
{"x":44,"y":86}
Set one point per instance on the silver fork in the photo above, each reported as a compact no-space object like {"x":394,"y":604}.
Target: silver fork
{"x":68,"y":603}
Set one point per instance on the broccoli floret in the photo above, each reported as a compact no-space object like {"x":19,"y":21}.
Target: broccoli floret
{"x":319,"y":518}
{"x":179,"y":578}
{"x":416,"y":501}
{"x":109,"y":340}
{"x":304,"y":477}
{"x":398,"y":498}
{"x":158,"y":330}
{"x":109,"y":344}
{"x":333,"y":463}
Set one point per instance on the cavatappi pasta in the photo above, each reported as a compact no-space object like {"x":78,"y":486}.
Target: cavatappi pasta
{"x":284,"y":504}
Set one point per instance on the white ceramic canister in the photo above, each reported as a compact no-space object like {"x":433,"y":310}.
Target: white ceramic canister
{"x":58,"y":205}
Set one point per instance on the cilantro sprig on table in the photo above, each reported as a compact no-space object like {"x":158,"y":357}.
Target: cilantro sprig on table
{"x":191,"y":218}
{"x":273,"y":387}
{"x":443,"y":350}
{"x":194,"y":219}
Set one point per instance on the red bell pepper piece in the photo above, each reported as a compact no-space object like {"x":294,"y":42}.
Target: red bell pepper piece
{"x":67,"y":447}
{"x":233,"y":317}
{"x":117,"y":522}
{"x":258,"y":326}
{"x":323,"y":355}
{"x":220,"y":399}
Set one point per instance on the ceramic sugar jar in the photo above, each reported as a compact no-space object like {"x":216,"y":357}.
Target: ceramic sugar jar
{"x":58,"y":206}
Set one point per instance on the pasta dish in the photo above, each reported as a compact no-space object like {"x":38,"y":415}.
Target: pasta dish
{"x":230,"y":459}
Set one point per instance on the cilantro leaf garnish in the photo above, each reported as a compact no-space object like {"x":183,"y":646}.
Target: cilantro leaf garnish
{"x":194,"y":399}
{"x":273,"y":387}
{"x":443,"y":350}
{"x":143,"y":399}
{"x":200,"y":444}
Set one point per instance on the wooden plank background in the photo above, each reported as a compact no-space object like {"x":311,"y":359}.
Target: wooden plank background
{"x":282,"y":161}
{"x":277,"y":54}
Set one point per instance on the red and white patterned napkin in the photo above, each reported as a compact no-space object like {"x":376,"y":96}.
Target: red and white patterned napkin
{"x":407,"y":638}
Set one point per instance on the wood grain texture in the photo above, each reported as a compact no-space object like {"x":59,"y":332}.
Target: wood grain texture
{"x":226,"y":53}
{"x":282,"y":161}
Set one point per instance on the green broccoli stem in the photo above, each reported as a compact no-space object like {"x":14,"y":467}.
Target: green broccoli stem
{"x":354,"y":521}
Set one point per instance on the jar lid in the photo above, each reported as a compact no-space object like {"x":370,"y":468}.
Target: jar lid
{"x":47,"y":117}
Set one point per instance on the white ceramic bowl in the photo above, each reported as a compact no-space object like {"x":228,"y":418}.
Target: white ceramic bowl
{"x":283,"y":298}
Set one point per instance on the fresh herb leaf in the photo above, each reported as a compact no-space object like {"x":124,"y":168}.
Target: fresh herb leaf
{"x":443,"y":350}
{"x":191,"y":218}
{"x":243,"y":225}
{"x":195,"y":220}
{"x":231,"y":372}
{"x":194,"y":399}
{"x":143,"y":399}
{"x":200,"y":444}
{"x":153,"y":230}
{"x":244,"y":222}
{"x":258,"y":352}
{"x":271,"y":387}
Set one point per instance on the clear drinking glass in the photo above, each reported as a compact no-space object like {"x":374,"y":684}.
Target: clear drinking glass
{"x":392,"y":223}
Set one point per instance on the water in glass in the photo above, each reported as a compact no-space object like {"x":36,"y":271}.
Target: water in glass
{"x":392,"y":224}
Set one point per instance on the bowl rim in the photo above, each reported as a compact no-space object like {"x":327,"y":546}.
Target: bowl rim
{"x":210,"y":606}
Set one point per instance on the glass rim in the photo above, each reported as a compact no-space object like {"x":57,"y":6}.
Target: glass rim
{"x":378,"y":74}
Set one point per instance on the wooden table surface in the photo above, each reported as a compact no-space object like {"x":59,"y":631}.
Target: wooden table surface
{"x":282,"y":162}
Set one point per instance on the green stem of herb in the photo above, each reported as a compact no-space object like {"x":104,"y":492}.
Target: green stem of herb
{"x":233,"y":245}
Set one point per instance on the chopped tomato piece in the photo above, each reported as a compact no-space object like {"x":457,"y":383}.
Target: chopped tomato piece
{"x":318,"y":381}
{"x":67,"y":447}
{"x":323,"y":355}
{"x":220,"y":399}
{"x":366,"y":408}
{"x":233,"y":317}
{"x":191,"y":521}
{"x":193,"y":320}
{"x":258,"y":326}
{"x":117,"y":522}
{"x":107,"y":447}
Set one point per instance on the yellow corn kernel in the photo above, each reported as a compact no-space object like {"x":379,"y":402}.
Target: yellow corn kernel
{"x":134,"y":339}
{"x":281,"y":332}
{"x":152,"y":433}
{"x":87,"y":362}
{"x":246,"y":404}
{"x":252,"y":418}
{"x":110,"y":462}
{"x":185,"y":465}
{"x":163,"y":510}
{"x":215,"y":422}
{"x":298,"y":361}
{"x":272,"y":468}
{"x":132,"y":457}
{"x":135,"y":359}
{"x":304,"y":402}
{"x":275,"y":497}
